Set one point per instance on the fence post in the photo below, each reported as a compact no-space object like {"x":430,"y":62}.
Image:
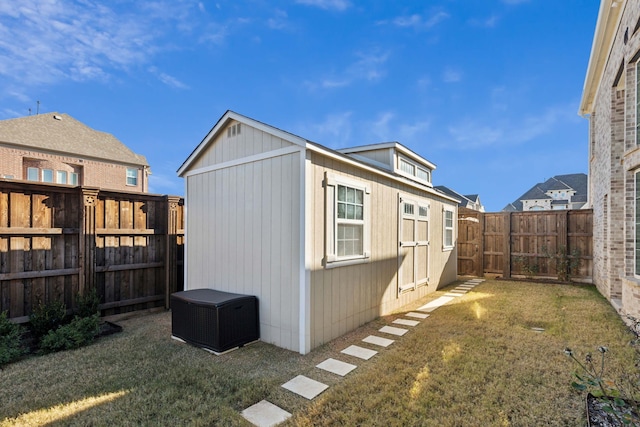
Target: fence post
{"x":171,"y":256}
{"x":88,"y":239}
{"x":506,"y":261}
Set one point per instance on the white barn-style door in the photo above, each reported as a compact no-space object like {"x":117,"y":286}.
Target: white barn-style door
{"x":413,"y":244}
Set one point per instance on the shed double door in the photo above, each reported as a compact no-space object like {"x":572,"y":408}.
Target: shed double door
{"x":413,"y":244}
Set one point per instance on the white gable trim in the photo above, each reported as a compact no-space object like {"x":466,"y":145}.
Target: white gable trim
{"x":222,"y":123}
{"x":250,"y":159}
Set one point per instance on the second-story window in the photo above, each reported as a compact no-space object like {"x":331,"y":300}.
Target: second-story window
{"x":132,"y":176}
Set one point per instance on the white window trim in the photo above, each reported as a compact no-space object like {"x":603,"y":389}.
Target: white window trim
{"x":446,"y":247}
{"x":332,"y":260}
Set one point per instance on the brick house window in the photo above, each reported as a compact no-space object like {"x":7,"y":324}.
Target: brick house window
{"x":73,"y":178}
{"x":132,"y":176}
{"x":638,"y":103}
{"x":47,"y":175}
{"x":33,"y":174}
{"x":637,"y":224}
{"x":61,"y":177}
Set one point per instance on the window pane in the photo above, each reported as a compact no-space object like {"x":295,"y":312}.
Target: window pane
{"x":423,"y":174}
{"x":359,"y":195}
{"x":61,"y":177}
{"x":342,"y":193}
{"x":408,"y":208}
{"x":423,"y":211}
{"x":32,"y":174}
{"x":448,"y":237}
{"x":341,"y":210}
{"x":351,"y":195}
{"x":132,"y":176}
{"x":351,"y":242}
{"x":47,"y":175}
{"x":358,"y":212}
{"x":73,"y":179}
{"x":351,"y":212}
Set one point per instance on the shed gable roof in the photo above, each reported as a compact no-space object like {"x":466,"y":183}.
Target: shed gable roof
{"x":61,"y":133}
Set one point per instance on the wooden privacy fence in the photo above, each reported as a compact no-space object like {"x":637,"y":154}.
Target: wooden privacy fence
{"x":57,"y":242}
{"x":526,"y":244}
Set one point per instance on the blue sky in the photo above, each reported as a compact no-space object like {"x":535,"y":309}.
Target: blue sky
{"x":488,"y":90}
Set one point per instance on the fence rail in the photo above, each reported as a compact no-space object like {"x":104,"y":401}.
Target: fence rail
{"x":543,"y":244}
{"x":57,"y":242}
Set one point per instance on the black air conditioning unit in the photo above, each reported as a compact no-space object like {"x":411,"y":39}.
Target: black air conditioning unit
{"x":214,"y":320}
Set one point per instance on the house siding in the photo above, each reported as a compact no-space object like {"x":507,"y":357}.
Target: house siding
{"x":243,"y":227}
{"x":614,"y":158}
{"x":346,"y":297}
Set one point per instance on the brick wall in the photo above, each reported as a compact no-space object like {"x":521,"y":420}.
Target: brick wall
{"x":92,"y":173}
{"x":614,"y":159}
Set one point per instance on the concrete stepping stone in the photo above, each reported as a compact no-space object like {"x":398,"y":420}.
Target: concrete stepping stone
{"x":476,"y":280}
{"x":438,"y":302}
{"x":468,"y":287}
{"x":265,"y":414}
{"x":382,"y":342}
{"x":459,"y":291}
{"x":393,"y":330}
{"x":450,"y":294}
{"x":417,"y":315}
{"x":305,"y":387}
{"x":406,"y":322}
{"x":360,"y":352}
{"x":336,"y":367}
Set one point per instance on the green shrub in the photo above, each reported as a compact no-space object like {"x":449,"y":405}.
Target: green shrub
{"x":87,"y":304}
{"x":47,"y":317}
{"x":11,"y":347}
{"x":80,"y":331}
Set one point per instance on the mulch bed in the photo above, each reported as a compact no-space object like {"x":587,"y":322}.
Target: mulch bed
{"x":597,"y":416}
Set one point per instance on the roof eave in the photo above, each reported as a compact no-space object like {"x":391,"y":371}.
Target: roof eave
{"x":608,"y":21}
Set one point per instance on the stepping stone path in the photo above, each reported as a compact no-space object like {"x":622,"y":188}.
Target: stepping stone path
{"x":266,"y":414}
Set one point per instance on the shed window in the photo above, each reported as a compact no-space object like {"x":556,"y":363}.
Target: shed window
{"x":447,"y":238}
{"x":348,"y":223}
{"x":132,"y":176}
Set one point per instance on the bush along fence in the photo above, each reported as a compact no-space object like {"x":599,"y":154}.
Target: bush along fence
{"x":58,"y":243}
{"x":541,"y":244}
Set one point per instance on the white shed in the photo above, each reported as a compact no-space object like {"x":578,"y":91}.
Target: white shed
{"x":327,"y":240}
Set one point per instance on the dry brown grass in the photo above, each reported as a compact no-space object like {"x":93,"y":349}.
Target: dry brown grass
{"x":475,"y":362}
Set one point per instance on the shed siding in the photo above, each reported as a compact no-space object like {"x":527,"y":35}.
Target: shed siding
{"x":346,"y":297}
{"x":244,"y":229}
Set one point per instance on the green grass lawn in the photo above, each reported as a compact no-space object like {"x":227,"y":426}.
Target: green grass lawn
{"x":474,"y":362}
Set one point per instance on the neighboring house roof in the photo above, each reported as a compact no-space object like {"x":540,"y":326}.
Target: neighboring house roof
{"x":577,"y":182}
{"x":472,"y":201}
{"x":61,"y":133}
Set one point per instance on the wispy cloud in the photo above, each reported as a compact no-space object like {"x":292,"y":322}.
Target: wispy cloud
{"x":388,"y":127}
{"x":420,"y":22}
{"x":46,"y":41}
{"x":451,"y":75}
{"x":476,"y":133}
{"x":368,"y":66}
{"x":338,"y":5}
{"x":167,"y":79}
{"x":489,"y":22}
{"x":334,"y":131}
